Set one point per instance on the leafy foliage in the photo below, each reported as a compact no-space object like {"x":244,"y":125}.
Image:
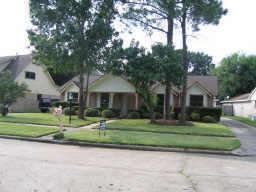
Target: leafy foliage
{"x":140,"y":68}
{"x":200,"y":63}
{"x":71,"y":36}
{"x":10,"y":90}
{"x":236,"y":75}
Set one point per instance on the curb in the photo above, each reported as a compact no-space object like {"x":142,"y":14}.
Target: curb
{"x":127,"y":147}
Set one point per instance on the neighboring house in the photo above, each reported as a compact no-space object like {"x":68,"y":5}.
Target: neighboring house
{"x":243,"y":105}
{"x":110,"y":91}
{"x":37,"y":79}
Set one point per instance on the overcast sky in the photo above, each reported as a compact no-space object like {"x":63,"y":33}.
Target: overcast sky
{"x":236,"y":31}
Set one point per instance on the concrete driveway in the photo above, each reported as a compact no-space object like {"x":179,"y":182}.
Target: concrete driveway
{"x":38,"y":167}
{"x":245,"y":133}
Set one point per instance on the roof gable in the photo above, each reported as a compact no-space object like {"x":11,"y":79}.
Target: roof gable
{"x":209,"y":83}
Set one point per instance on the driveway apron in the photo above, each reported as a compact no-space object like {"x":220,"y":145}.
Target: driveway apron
{"x":246,"y":134}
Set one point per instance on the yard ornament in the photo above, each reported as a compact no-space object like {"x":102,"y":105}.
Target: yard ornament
{"x":58,"y":113}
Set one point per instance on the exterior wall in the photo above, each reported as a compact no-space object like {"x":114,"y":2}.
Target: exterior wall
{"x":27,"y":104}
{"x":92,"y":101}
{"x":244,"y":109}
{"x":112,"y":84}
{"x":161,"y":90}
{"x":42,"y":84}
{"x":195,"y":90}
{"x":71,"y":88}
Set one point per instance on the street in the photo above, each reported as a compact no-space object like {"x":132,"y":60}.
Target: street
{"x":39,"y":167}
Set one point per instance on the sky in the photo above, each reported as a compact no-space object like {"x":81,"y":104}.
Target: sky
{"x":235,"y":33}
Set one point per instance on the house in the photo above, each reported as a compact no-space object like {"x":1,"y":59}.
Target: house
{"x":111,"y":91}
{"x":243,"y":105}
{"x":37,"y":79}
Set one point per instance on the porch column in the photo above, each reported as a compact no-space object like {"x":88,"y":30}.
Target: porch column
{"x":136,"y":101}
{"x":111,"y":100}
{"x":124,"y":109}
{"x":98,"y":97}
{"x":88,"y":99}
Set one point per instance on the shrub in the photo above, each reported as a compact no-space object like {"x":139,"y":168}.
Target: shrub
{"x":133,"y":115}
{"x":64,"y":104}
{"x":209,"y":119}
{"x":58,"y":136}
{"x":158,"y":115}
{"x":91,"y":112}
{"x":195,"y":116}
{"x":67,"y":111}
{"x":186,"y":116}
{"x":203,"y":111}
{"x":108,"y":113}
{"x":3,"y":110}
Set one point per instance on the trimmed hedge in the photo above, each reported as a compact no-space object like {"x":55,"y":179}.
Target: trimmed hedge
{"x":202,"y":111}
{"x":91,"y":112}
{"x":67,"y":111}
{"x":133,"y":115}
{"x":108,"y":113}
{"x":64,"y":104}
{"x":195,"y":116}
{"x":208,"y":119}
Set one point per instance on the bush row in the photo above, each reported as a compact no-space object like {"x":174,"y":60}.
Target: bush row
{"x":192,"y":113}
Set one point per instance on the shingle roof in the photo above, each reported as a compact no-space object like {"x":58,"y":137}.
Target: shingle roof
{"x":208,"y":82}
{"x":239,"y":98}
{"x":15,"y":64}
{"x":92,"y":78}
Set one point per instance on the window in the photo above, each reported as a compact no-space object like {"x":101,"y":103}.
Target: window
{"x":104,"y":100}
{"x":73,"y":96}
{"x":196,"y":100}
{"x":30,"y":75}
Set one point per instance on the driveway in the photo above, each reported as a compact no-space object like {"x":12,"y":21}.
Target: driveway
{"x":245,"y":133}
{"x":39,"y":167}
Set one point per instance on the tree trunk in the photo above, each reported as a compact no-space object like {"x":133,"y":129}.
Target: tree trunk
{"x":81,"y":94}
{"x":168,"y":84}
{"x":185,"y":65}
{"x":167,"y":101}
{"x":87,"y":87}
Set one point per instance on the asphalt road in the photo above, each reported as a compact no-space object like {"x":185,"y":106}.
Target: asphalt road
{"x":39,"y":167}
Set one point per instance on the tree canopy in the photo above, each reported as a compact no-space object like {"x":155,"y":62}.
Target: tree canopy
{"x":236,"y":75}
{"x":71,"y":36}
{"x":200,"y":63}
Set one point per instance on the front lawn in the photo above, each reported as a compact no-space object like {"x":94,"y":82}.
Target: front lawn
{"x":45,"y":119}
{"x":24,"y":130}
{"x":156,"y":139}
{"x":206,"y":129}
{"x":243,"y":120}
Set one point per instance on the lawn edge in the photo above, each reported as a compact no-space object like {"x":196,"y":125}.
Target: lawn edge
{"x":49,"y":125}
{"x":175,"y":133}
{"x":126,"y":147}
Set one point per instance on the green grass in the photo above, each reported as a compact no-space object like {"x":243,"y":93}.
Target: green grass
{"x":156,"y":139}
{"x":45,"y":119}
{"x":24,"y":130}
{"x":243,"y":120}
{"x":203,"y":129}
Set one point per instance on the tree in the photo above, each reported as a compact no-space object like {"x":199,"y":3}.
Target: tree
{"x":71,"y":36}
{"x":139,"y":67}
{"x":195,"y":13}
{"x":236,"y":75}
{"x":200,"y":63}
{"x":154,"y":15}
{"x":10,"y":91}
{"x":169,"y":66}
